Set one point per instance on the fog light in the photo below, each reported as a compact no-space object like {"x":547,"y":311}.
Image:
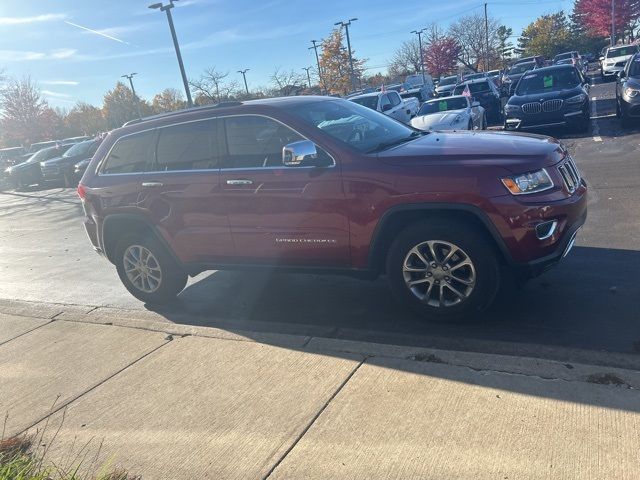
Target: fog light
{"x":546,"y":229}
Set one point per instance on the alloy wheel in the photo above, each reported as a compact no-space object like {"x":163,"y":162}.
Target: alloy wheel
{"x":439,"y":273}
{"x":142,"y":268}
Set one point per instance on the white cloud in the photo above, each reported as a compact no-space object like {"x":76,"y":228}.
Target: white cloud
{"x":49,"y":93}
{"x":27,"y":56}
{"x":63,"y":53}
{"x":48,"y":17}
{"x":59,"y":82}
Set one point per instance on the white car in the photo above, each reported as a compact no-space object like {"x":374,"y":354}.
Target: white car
{"x":390,"y":103}
{"x":615,"y":58}
{"x":450,"y":113}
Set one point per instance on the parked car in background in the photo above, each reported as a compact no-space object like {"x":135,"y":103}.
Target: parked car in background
{"x":28,"y":172}
{"x":549,"y":97}
{"x":390,"y":103}
{"x":484,"y":91}
{"x":588,"y":57}
{"x":615,"y":59}
{"x":496,"y":77}
{"x":539,"y":60}
{"x":474,"y":76}
{"x":571,"y":58}
{"x":511,"y":78}
{"x":418,"y":87}
{"x":9,"y":156}
{"x":450,"y":113}
{"x":628,"y":91}
{"x":35,"y":147}
{"x":79,"y":169}
{"x":62,"y":168}
{"x":446,"y":86}
{"x":79,"y":139}
{"x":317,"y":184}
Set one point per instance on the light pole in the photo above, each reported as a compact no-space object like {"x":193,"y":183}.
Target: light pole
{"x":167,"y":9}
{"x":244,"y":77}
{"x":346,"y":27}
{"x":308,"y":76}
{"x":486,"y":38}
{"x":613,"y":23}
{"x":315,"y":48}
{"x":133,"y":90}
{"x":419,"y":33}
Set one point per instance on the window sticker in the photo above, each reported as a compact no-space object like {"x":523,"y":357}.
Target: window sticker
{"x":442,"y":106}
{"x":547,"y":81}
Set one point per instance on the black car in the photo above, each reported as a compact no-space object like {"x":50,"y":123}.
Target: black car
{"x":513,"y":75}
{"x":80,"y":168}
{"x":62,"y":168}
{"x":628,"y":91}
{"x":539,"y":60}
{"x":28,"y":172}
{"x":483,"y":90}
{"x":446,"y":86}
{"x":550,"y":96}
{"x":9,"y":156}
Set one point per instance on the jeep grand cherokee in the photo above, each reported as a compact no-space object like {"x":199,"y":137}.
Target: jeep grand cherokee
{"x":318,"y":184}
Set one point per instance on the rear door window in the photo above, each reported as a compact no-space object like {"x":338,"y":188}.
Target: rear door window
{"x":131,"y":154}
{"x":188,"y":146}
{"x":394,"y":98}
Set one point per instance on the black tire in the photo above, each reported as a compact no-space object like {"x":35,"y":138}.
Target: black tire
{"x":172,"y":279}
{"x":472,"y":243}
{"x":484,"y":122}
{"x":583,"y":124}
{"x":470,"y":126}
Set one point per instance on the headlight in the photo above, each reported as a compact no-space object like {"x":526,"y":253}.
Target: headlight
{"x":631,"y":92}
{"x":577,"y":99}
{"x":511,"y":108}
{"x":528,"y":182}
{"x":8,"y":170}
{"x":42,"y":164}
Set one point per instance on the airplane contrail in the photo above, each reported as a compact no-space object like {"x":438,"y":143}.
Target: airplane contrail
{"x":96,"y":32}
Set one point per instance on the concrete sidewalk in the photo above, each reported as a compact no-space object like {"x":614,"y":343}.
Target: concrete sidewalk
{"x":169,"y":401}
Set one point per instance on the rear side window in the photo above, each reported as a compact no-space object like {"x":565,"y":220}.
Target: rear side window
{"x":189,"y":146}
{"x":395,"y":98}
{"x":131,"y":154}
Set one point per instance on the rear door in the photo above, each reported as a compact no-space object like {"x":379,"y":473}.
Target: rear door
{"x":181,"y":192}
{"x":293,"y":216}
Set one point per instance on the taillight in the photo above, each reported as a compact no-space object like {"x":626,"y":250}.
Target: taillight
{"x":82,"y":191}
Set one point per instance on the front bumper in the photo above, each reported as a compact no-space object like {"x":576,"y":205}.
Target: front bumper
{"x":630,"y":106}
{"x":610,"y":71}
{"x":564,"y":117}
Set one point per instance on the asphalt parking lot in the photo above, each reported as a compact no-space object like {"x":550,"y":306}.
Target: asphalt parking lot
{"x":589,"y":301}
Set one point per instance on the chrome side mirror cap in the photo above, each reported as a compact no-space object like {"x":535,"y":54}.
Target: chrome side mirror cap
{"x":296,"y":153}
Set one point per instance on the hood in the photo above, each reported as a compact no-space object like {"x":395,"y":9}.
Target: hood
{"x":24,"y":165}
{"x":424,"y":122}
{"x":517,"y":152}
{"x":541,"y":97}
{"x":633,"y":82}
{"x":63,"y":160}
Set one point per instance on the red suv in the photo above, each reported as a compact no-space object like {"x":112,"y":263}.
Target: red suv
{"x":319,"y":184}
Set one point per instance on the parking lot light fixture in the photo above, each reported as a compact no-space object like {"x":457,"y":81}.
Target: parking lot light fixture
{"x":133,"y":90}
{"x":419,"y":34}
{"x":167,"y":9}
{"x":244,"y":77}
{"x":346,"y":27}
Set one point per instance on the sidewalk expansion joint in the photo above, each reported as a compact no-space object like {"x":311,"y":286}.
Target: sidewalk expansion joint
{"x":28,"y":331}
{"x":315,"y":417}
{"x":72,"y":399}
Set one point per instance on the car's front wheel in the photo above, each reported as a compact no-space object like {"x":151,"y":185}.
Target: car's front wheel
{"x":444,"y":270}
{"x":147,"y":270}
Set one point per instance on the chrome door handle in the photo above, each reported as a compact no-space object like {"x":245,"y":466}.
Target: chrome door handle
{"x":239,"y":182}
{"x":152,"y":184}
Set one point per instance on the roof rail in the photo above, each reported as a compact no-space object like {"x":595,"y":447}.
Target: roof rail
{"x":233,"y":103}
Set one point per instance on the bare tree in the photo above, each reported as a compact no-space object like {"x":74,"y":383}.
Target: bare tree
{"x":213,"y":86}
{"x":470,"y":33}
{"x":287,"y":82}
{"x":406,"y":59}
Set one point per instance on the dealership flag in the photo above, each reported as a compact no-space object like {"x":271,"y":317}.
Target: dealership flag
{"x":466,"y":92}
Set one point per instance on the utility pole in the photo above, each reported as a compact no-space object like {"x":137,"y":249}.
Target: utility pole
{"x":315,"y":48}
{"x":419,"y":33}
{"x":167,"y":10}
{"x":308,"y":76}
{"x":135,"y":97}
{"x":244,"y":76}
{"x":486,"y":34}
{"x":613,"y":23}
{"x":346,"y":27}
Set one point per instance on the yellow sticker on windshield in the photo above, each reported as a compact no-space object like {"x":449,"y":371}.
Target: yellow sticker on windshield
{"x":442,"y":105}
{"x":548,"y":81}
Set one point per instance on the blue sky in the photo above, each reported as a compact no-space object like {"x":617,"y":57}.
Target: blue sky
{"x":45,"y":38}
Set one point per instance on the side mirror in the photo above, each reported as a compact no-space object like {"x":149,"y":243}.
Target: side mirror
{"x":296,"y":153}
{"x":386,"y":107}
{"x":621,"y":74}
{"x":475,"y":103}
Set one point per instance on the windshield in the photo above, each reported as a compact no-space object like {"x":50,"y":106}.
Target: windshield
{"x":448,"y":80}
{"x":521,"y":68}
{"x":621,"y":52}
{"x":494,"y":73}
{"x":473,"y":88}
{"x":353,"y":124}
{"x":562,"y":56}
{"x":444,"y":105}
{"x":473,"y":76}
{"x":369,"y":102}
{"x":549,"y":80}
{"x":414,"y":80}
{"x":41,"y":155}
{"x":78,"y":149}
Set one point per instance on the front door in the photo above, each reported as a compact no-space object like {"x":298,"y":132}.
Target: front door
{"x":282,"y":215}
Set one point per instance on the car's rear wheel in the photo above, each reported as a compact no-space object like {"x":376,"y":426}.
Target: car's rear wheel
{"x":147,"y":270}
{"x":470,"y":125}
{"x":484,"y":122}
{"x":446,"y":271}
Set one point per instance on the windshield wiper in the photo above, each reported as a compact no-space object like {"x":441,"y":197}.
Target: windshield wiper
{"x":384,"y":145}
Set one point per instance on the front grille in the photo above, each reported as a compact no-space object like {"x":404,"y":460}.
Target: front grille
{"x":531,"y":108}
{"x":570,"y":174}
{"x":48,"y":171}
{"x":552,"y":105}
